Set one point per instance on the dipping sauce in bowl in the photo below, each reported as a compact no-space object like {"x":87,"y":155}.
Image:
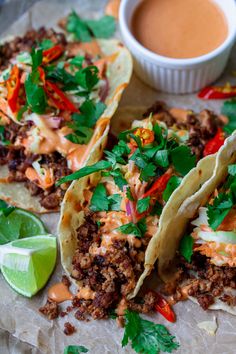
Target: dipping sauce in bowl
{"x":179,"y":29}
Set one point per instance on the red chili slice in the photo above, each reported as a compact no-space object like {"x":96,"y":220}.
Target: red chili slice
{"x":163,"y":307}
{"x":218,"y":92}
{"x":52,"y":53}
{"x":13,"y":88}
{"x":213,"y":145}
{"x":159,"y":185}
{"x":59,"y":99}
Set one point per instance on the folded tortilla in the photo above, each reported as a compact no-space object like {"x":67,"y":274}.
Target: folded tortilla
{"x":174,"y":230}
{"x":120,"y":70}
{"x":74,"y":206}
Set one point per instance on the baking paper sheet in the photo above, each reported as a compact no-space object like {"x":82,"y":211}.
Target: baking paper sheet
{"x":23,"y":330}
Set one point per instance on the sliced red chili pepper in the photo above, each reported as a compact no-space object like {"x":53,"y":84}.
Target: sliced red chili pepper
{"x":213,"y":145}
{"x":59,"y":99}
{"x":42,"y":74}
{"x":13,"y":88}
{"x":159,"y":185}
{"x":52,"y":53}
{"x":218,"y":92}
{"x":146,"y":136}
{"x":163,"y":307}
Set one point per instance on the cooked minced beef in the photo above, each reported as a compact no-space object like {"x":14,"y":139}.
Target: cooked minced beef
{"x":201,"y":127}
{"x":110,"y":277}
{"x":50,"y":309}
{"x":204,"y":281}
{"x":31,"y":38}
{"x":69,"y":329}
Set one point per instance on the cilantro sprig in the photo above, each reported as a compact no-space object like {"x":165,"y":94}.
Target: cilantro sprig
{"x":75,"y":349}
{"x":84,"y":30}
{"x":3,"y":140}
{"x":147,"y":337}
{"x":138,"y":230}
{"x":100,"y":201}
{"x":186,"y":247}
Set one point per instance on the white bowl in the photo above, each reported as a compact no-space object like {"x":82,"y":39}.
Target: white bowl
{"x":178,"y":75}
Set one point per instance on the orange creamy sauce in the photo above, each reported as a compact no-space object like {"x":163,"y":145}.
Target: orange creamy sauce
{"x":179,"y":28}
{"x":59,"y":293}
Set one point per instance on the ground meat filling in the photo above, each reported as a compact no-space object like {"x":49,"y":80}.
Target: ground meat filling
{"x":32,"y":37}
{"x":107,"y":278}
{"x":204,"y":281}
{"x":202,"y":127}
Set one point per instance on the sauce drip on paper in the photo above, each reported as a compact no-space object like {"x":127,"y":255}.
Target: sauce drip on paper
{"x":179,"y":28}
{"x":59,"y":292}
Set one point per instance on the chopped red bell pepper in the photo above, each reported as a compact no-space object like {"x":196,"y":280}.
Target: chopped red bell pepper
{"x":52,"y":53}
{"x":13,"y":88}
{"x":146,"y":136}
{"x":163,"y":307}
{"x":218,"y":92}
{"x":213,"y":145}
{"x":59,"y":99}
{"x":159,"y":185}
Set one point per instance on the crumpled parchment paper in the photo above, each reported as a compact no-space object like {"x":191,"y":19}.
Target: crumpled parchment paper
{"x":23,"y":330}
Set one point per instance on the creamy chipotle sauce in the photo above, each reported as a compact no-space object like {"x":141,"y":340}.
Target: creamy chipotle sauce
{"x":179,"y":28}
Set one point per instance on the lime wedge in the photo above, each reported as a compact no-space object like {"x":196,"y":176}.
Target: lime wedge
{"x":27,"y":263}
{"x":18,"y":224}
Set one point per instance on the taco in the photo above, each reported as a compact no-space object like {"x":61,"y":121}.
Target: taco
{"x":56,"y":102}
{"x":204,"y":238}
{"x":111,"y":216}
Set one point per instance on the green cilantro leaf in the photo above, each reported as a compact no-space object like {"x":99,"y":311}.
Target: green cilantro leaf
{"x":137,"y":140}
{"x":114,"y":202}
{"x":147,"y":337}
{"x":161,"y":158}
{"x":142,"y":226}
{"x":172,"y":184}
{"x":119,"y":179}
{"x":186,"y":247}
{"x":143,"y":204}
{"x":129,"y":194}
{"x":87,"y":77}
{"x":232,"y":170}
{"x":85,"y":171}
{"x":103,"y":28}
{"x":84,"y":30}
{"x":131,"y":229}
{"x":46,"y":44}
{"x":21,"y":111}
{"x":35,"y":95}
{"x":148,"y":171}
{"x":99,"y":200}
{"x":183,"y":159}
{"x":125,"y":135}
{"x":77,"y":61}
{"x":219,"y":210}
{"x":90,"y":113}
{"x":3,"y":140}
{"x":75,"y":349}
{"x":229,"y":110}
{"x":82,"y":135}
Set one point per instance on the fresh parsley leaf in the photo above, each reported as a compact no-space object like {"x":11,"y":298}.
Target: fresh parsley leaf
{"x":232,"y":170}
{"x":99,"y":200}
{"x":142,"y":226}
{"x":5,"y":209}
{"x":87,"y":77}
{"x":84,"y":30}
{"x":114,"y":202}
{"x":77,"y":61}
{"x":85,"y":171}
{"x":157,"y":209}
{"x":35,"y":95}
{"x":37,"y":58}
{"x":172,"y":184}
{"x":59,"y":74}
{"x":3,"y":140}
{"x":148,"y":171}
{"x":143,"y":204}
{"x":90,"y":113}
{"x":161,"y":158}
{"x":186,"y":247}
{"x":183,"y":159}
{"x":129,"y":194}
{"x":119,"y":179}
{"x":147,"y":337}
{"x":229,"y":110}
{"x":46,"y":44}
{"x":103,"y":28}
{"x":216,"y":212}
{"x":75,"y":349}
{"x":82,"y":135}
{"x":130,"y":229}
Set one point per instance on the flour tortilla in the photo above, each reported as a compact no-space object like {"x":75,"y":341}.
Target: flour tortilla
{"x":119,"y":73}
{"x":74,"y":204}
{"x":168,"y":240}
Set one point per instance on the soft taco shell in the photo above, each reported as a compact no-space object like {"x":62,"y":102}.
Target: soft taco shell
{"x":175,"y":227}
{"x":120,"y":70}
{"x":72,"y":213}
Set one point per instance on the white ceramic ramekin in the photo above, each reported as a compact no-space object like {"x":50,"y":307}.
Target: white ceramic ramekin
{"x":177,"y":75}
